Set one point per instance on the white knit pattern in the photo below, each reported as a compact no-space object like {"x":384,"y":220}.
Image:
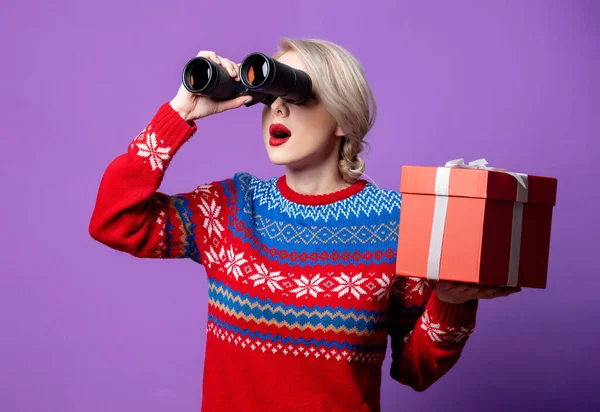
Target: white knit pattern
{"x":371,"y":200}
{"x":295,"y":350}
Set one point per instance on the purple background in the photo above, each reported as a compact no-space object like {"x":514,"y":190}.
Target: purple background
{"x":85,"y":328}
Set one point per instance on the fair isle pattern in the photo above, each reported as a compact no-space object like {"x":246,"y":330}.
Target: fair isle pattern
{"x":316,"y":318}
{"x":151,"y":150}
{"x":244,"y":268}
{"x":277,"y":338}
{"x":416,"y":285}
{"x":369,"y":201}
{"x":311,"y":348}
{"x":438,"y":333}
{"x":435,"y":331}
{"x":311,"y":255}
{"x":165,"y":235}
{"x":320,"y":235}
{"x":442,"y":334}
{"x":349,"y":239}
{"x":187,"y":228}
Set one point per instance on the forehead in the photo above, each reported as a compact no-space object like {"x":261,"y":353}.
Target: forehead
{"x":292,"y":59}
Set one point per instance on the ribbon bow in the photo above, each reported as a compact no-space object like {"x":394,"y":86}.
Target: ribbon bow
{"x":482,"y":164}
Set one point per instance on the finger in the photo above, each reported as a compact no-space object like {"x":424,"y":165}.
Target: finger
{"x":486,"y":293}
{"x":473,"y":292}
{"x":228,"y":65}
{"x":488,"y":290}
{"x":512,"y":291}
{"x":501,"y":293}
{"x":211,"y":55}
{"x":446,"y":285}
{"x":233,"y":103}
{"x":460,"y":286}
{"x":509,"y":290}
{"x":464,"y":289}
{"x":237,"y":70}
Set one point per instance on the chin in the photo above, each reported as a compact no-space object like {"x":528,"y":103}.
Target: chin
{"x":280,"y":160}
{"x":277,"y":157}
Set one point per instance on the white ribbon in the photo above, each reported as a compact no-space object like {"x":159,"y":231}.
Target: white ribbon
{"x":442,"y":181}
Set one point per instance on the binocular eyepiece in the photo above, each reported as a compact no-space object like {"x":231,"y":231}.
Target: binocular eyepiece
{"x":261,"y":77}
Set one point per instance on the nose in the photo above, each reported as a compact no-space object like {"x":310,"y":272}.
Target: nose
{"x":280,"y":108}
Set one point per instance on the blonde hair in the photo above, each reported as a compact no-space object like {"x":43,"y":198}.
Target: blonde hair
{"x":340,"y":83}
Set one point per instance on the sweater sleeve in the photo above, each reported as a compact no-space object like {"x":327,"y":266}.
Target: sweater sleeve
{"x":427,"y":334}
{"x":130,"y":215}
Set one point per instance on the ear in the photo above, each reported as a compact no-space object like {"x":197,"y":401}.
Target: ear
{"x":338,"y":132}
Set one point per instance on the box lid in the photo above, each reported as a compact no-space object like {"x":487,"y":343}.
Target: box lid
{"x":478,"y":183}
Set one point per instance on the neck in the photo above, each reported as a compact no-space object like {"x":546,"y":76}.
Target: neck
{"x":317,"y":180}
{"x":316,"y":198}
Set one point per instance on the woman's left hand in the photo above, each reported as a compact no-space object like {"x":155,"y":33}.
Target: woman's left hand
{"x":459,"y":292}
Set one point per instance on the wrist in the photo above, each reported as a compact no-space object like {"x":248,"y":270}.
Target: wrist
{"x":184,"y":114}
{"x":452,"y":314}
{"x":456,"y":302}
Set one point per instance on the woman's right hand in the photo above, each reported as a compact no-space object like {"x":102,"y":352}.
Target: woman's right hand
{"x":192,"y":106}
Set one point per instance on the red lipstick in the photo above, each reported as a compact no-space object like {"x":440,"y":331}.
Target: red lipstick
{"x":279,"y":134}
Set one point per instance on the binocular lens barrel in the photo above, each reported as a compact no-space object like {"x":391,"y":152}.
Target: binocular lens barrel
{"x":258,"y":68}
{"x":262,"y":73}
{"x":202,"y":76}
{"x":198,"y":75}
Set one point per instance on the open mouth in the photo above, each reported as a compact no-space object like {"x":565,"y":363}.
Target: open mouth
{"x":279,"y":134}
{"x":279,"y":131}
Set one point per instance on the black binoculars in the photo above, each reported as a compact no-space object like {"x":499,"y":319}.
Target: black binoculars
{"x":261,"y":77}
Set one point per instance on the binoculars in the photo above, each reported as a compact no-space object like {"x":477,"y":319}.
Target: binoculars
{"x":261,"y":77}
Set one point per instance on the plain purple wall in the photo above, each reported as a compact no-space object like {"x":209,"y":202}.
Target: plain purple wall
{"x":86,"y":328}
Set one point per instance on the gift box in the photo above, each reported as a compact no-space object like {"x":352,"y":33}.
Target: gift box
{"x":474,"y":223}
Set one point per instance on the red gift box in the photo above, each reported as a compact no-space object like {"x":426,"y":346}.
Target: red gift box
{"x":476,"y":224}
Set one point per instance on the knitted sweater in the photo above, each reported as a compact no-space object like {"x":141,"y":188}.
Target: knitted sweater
{"x":300,"y":296}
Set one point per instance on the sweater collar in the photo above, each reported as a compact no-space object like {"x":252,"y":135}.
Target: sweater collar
{"x":318,"y":200}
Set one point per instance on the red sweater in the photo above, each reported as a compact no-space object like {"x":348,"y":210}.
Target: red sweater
{"x":300,"y":296}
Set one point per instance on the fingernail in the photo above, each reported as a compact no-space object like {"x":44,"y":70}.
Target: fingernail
{"x":248,"y":100}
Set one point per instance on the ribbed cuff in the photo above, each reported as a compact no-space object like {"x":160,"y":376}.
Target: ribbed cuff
{"x":452,"y":315}
{"x":170,"y":127}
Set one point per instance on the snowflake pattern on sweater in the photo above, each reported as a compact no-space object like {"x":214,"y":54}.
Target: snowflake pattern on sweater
{"x":300,"y":288}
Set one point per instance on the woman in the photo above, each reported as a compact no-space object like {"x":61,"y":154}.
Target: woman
{"x":299,"y":267}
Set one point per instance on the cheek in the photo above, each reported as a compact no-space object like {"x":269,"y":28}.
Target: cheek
{"x":323,"y":123}
{"x":265,"y":120}
{"x":265,"y":115}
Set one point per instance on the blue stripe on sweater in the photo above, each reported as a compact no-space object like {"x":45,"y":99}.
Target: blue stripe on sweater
{"x":286,"y":340}
{"x":182,"y":205}
{"x":351,"y":320}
